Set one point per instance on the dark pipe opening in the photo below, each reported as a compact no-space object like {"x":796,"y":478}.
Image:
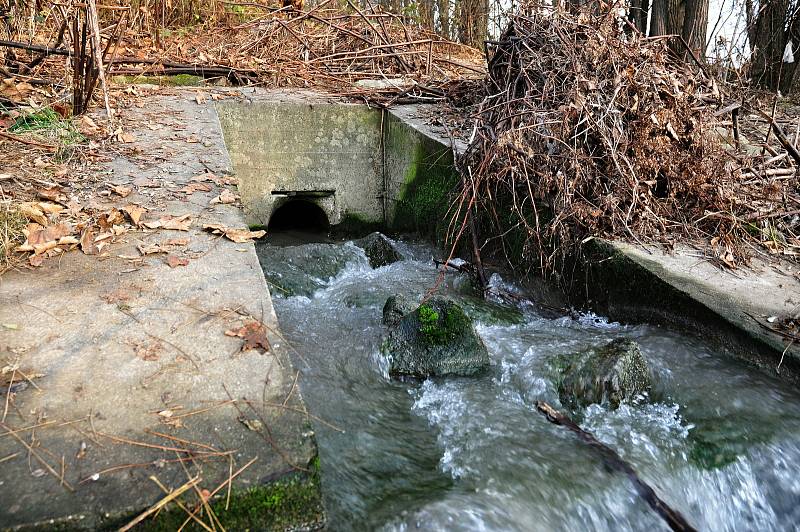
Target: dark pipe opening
{"x":298,"y":214}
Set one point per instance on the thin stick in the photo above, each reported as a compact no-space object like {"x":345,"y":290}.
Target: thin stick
{"x":221,"y":486}
{"x":182,"y":506}
{"x":673,"y":518}
{"x":160,"y":504}
{"x":39,"y":458}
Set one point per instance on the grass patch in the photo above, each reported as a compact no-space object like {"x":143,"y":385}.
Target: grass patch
{"x":12,"y":222}
{"x":49,"y":124}
{"x":178,"y":80}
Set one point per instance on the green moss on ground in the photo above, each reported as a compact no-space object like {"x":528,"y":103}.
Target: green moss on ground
{"x":292,"y":502}
{"x":178,"y":80}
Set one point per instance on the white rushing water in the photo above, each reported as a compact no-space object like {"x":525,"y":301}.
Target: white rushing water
{"x":716,"y":438}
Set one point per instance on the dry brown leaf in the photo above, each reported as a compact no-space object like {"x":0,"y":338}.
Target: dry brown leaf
{"x":52,"y":194}
{"x":240,"y":236}
{"x":227,"y":197}
{"x":176,"y":223}
{"x":148,"y":352}
{"x":191,"y":188}
{"x":88,"y":245}
{"x":254,"y":335}
{"x":151,"y":249}
{"x":121,"y":190}
{"x":219,"y":181}
{"x":32,"y":212}
{"x":174,"y":261}
{"x":134,"y":212}
{"x":176,"y":242}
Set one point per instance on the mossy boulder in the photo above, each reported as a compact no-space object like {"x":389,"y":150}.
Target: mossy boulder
{"x":436,"y":339}
{"x":379,"y":249}
{"x":611,"y":374}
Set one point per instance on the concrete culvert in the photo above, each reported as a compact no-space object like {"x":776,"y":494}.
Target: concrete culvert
{"x":298,"y":214}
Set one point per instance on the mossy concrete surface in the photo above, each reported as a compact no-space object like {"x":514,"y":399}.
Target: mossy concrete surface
{"x":421,"y":177}
{"x":681,"y":289}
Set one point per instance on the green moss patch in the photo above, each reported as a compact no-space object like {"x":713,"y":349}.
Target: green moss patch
{"x":290,"y":503}
{"x":178,"y":80}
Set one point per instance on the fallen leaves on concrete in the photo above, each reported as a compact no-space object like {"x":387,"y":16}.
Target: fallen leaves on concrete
{"x":254,"y":334}
{"x":218,"y":180}
{"x":150,"y":352}
{"x":240,"y":236}
{"x":134,"y":212}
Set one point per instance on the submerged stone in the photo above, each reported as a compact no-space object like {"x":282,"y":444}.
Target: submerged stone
{"x":612,"y":374}
{"x":490,"y":313}
{"x":436,"y":339}
{"x":379,"y":249}
{"x":302,"y":270}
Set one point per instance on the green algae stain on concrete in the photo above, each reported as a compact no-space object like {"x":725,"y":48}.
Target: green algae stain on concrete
{"x":424,"y":197}
{"x":425,"y":178}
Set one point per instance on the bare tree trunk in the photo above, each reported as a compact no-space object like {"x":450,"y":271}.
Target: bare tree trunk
{"x":637,"y":14}
{"x":695,"y":26}
{"x":426,"y":14}
{"x":443,"y":7}
{"x":768,"y":39}
{"x":473,"y":22}
{"x":658,"y":19}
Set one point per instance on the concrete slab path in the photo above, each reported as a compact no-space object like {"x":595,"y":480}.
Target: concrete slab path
{"x":131,"y":372}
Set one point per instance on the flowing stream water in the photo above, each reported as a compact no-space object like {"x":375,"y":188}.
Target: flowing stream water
{"x":717,"y":439}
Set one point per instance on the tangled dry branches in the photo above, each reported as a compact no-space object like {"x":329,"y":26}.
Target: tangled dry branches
{"x":591,"y":129}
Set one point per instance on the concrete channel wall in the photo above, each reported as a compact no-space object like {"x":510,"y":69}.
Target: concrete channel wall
{"x":361,"y":166}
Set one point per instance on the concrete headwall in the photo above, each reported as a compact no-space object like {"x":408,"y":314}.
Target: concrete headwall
{"x":329,"y":154}
{"x":360,"y":165}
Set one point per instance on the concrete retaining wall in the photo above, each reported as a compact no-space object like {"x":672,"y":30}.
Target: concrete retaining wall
{"x":285,"y":150}
{"x":359,"y":165}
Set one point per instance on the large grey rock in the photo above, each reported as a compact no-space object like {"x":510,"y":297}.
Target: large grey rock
{"x":379,"y":249}
{"x":436,"y":339}
{"x":611,"y":374}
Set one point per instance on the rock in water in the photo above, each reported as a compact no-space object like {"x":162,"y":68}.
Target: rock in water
{"x":611,"y":374}
{"x":436,"y":339}
{"x":302,"y":270}
{"x":379,"y":249}
{"x":395,"y":308}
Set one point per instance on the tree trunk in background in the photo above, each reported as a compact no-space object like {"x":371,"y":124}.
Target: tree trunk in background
{"x":658,"y":19}
{"x":686,"y":18}
{"x":637,"y":14}
{"x":425,"y":8}
{"x":473,"y":22}
{"x":768,"y":38}
{"x":443,"y":6}
{"x":695,"y":26}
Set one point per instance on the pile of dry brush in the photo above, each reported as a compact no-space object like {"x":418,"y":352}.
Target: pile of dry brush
{"x":591,"y":129}
{"x":329,"y":46}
